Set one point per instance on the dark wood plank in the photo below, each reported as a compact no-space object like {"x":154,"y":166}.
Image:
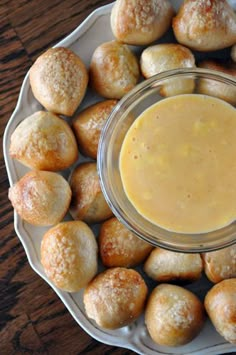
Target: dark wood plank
{"x":19,"y":337}
{"x":42,"y":26}
{"x":13,"y":66}
{"x":32,"y":318}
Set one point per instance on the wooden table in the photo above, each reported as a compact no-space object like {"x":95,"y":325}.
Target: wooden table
{"x":32,"y":318}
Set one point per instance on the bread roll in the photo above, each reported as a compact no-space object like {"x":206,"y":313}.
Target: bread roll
{"x":59,"y":80}
{"x":88,"y":203}
{"x":140,"y":22}
{"x":174,"y":316}
{"x":205,"y":25}
{"x":120,"y":247}
{"x":220,"y":304}
{"x":233,"y":53}
{"x":161,"y":57}
{"x":69,"y":255}
{"x":221,"y":264}
{"x":164,"y":265}
{"x":41,"y":198}
{"x":218,"y":89}
{"x":44,"y":141}
{"x":115,"y":298}
{"x":114,"y":70}
{"x":88,"y":126}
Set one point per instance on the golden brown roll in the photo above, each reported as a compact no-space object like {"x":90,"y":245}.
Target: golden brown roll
{"x":114,"y":70}
{"x":218,"y":89}
{"x":161,"y":57}
{"x":233,"y":53}
{"x":221,"y":264}
{"x":41,"y":198}
{"x":69,"y":255}
{"x":166,"y":56}
{"x":164,"y":265}
{"x":174,"y":316}
{"x":59,"y":80}
{"x":140,"y":22}
{"x":120,"y":247}
{"x":115,"y":298}
{"x":88,"y":203}
{"x":220,"y":304}
{"x":43,"y":141}
{"x":88,"y":125}
{"x":205,"y":25}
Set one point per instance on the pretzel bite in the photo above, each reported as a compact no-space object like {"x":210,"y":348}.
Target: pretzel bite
{"x":114,"y":70}
{"x":174,"y":316}
{"x":69,"y":255}
{"x":88,"y":203}
{"x":205,"y":25}
{"x":218,"y":89}
{"x":220,"y":304}
{"x":161,"y":57}
{"x":59,"y":80}
{"x":140,"y":22}
{"x":221,"y":264}
{"x":164,"y":265}
{"x":88,"y":125}
{"x":43,"y":141}
{"x":120,"y":247}
{"x":115,"y":298}
{"x":41,"y":198}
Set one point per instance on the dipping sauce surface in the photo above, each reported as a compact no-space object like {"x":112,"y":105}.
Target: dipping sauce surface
{"x":178,"y":164}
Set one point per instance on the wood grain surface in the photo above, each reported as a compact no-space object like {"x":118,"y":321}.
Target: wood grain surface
{"x":32,"y":318}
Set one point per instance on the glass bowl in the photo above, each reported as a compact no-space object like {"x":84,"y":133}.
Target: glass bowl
{"x":173,"y":82}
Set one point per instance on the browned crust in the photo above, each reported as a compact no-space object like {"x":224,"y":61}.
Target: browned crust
{"x":59,"y":80}
{"x":160,"y":57}
{"x":41,"y":198}
{"x":218,"y":89}
{"x":205,"y":25}
{"x":115,"y":297}
{"x":174,"y":316}
{"x":164,"y":265}
{"x":69,"y":255}
{"x":43,"y":141}
{"x":88,"y":124}
{"x":120,"y":247}
{"x":88,"y":203}
{"x":140,"y":22}
{"x":114,"y":70}
{"x":220,"y":304}
{"x":221,"y":264}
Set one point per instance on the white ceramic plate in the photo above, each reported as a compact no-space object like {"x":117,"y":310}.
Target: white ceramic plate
{"x":92,"y":32}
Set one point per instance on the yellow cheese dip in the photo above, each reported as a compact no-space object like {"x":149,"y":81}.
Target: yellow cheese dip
{"x":178,"y":164}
